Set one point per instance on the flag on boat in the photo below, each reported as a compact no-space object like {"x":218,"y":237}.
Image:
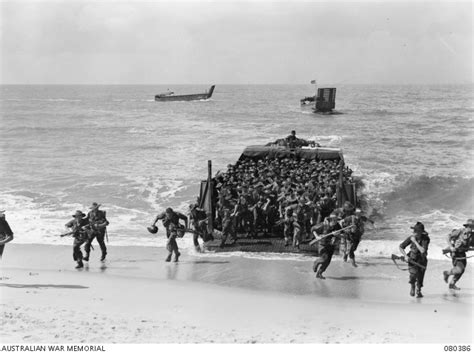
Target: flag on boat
{"x":313,"y":82}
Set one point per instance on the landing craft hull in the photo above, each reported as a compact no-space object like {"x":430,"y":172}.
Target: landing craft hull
{"x":271,"y":242}
{"x":192,"y":97}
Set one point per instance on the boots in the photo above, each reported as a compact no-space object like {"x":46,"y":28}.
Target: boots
{"x":418,"y":292}
{"x":316,"y":266}
{"x":176,"y":256}
{"x":453,"y":286}
{"x":168,"y":259}
{"x":103,"y":256}
{"x":345,"y":257}
{"x":79,"y":264}
{"x":320,"y":275}
{"x":446,"y":276}
{"x":412,"y":290}
{"x":86,"y":258}
{"x":353,"y":262}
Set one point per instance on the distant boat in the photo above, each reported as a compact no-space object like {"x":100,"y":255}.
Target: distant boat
{"x":323,"y":102}
{"x":170,"y":96}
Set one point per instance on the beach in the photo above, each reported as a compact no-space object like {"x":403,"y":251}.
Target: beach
{"x":135,"y":297}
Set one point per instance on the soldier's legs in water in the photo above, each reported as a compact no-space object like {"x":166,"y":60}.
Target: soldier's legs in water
{"x":169,"y":247}
{"x":76,"y":250}
{"x":2,"y":247}
{"x":87,"y":247}
{"x":173,"y":248}
{"x":100,"y":239}
{"x":195,"y":241}
{"x":458,"y":270}
{"x":77,"y":253}
{"x":413,"y":271}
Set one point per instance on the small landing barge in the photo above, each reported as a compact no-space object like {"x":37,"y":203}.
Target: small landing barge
{"x":170,"y":96}
{"x":271,"y":197}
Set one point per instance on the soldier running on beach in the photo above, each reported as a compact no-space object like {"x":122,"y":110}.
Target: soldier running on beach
{"x":6,"y":233}
{"x":354,"y":234}
{"x":198,"y":220}
{"x":97,"y":229}
{"x":80,"y":236}
{"x":460,"y":242}
{"x":326,"y":244}
{"x":173,"y":230}
{"x":417,"y":258}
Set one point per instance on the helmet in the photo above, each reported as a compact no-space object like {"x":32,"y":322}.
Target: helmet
{"x":152,"y":229}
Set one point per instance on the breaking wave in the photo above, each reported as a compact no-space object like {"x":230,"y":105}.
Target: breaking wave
{"x":423,"y":193}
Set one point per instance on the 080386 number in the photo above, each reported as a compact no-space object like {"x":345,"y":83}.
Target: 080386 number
{"x":457,"y":348}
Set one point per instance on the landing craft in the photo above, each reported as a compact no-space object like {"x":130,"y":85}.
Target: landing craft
{"x":323,"y":102}
{"x":305,"y":154}
{"x":170,"y":96}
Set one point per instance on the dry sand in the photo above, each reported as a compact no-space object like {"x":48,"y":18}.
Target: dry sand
{"x":135,"y":297}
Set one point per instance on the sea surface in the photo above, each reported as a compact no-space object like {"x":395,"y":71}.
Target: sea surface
{"x":64,"y":147}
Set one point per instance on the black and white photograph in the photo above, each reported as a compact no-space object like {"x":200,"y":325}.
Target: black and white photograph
{"x":236,"y":172}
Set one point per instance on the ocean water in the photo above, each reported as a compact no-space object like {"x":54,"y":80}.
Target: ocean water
{"x":64,"y":147}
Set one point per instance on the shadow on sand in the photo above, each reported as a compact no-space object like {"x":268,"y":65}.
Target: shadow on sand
{"x":39,"y":286}
{"x":209,"y":262}
{"x":359,"y":278}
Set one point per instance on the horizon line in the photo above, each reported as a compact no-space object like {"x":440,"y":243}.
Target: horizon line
{"x":236,"y":84}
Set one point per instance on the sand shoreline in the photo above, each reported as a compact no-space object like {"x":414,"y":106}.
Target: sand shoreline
{"x":135,"y":297}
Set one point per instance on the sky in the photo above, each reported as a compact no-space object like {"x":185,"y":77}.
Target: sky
{"x":235,"y":42}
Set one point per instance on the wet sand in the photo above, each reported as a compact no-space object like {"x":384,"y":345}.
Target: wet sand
{"x":135,"y":297}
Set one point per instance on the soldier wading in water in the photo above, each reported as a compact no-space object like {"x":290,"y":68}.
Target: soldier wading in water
{"x":97,"y":229}
{"x":417,"y":258}
{"x":460,"y":242}
{"x":354,"y":234}
{"x":80,"y":236}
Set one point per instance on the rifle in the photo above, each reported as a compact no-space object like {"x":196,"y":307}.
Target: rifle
{"x":409,"y":261}
{"x":329,"y":234}
{"x":448,"y":250}
{"x":67,"y":234}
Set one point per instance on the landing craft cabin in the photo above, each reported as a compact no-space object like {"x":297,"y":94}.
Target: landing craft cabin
{"x":324,"y":102}
{"x":265,"y":158}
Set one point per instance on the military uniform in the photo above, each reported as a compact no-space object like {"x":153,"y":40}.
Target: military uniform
{"x":97,"y":229}
{"x":80,"y":236}
{"x":354,"y":235}
{"x":227,"y":228}
{"x":198,"y":219}
{"x":326,"y":246}
{"x":173,"y":230}
{"x":417,"y":273}
{"x":460,"y":242}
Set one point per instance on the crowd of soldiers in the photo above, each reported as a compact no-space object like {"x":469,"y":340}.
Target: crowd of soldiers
{"x":277,"y":196}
